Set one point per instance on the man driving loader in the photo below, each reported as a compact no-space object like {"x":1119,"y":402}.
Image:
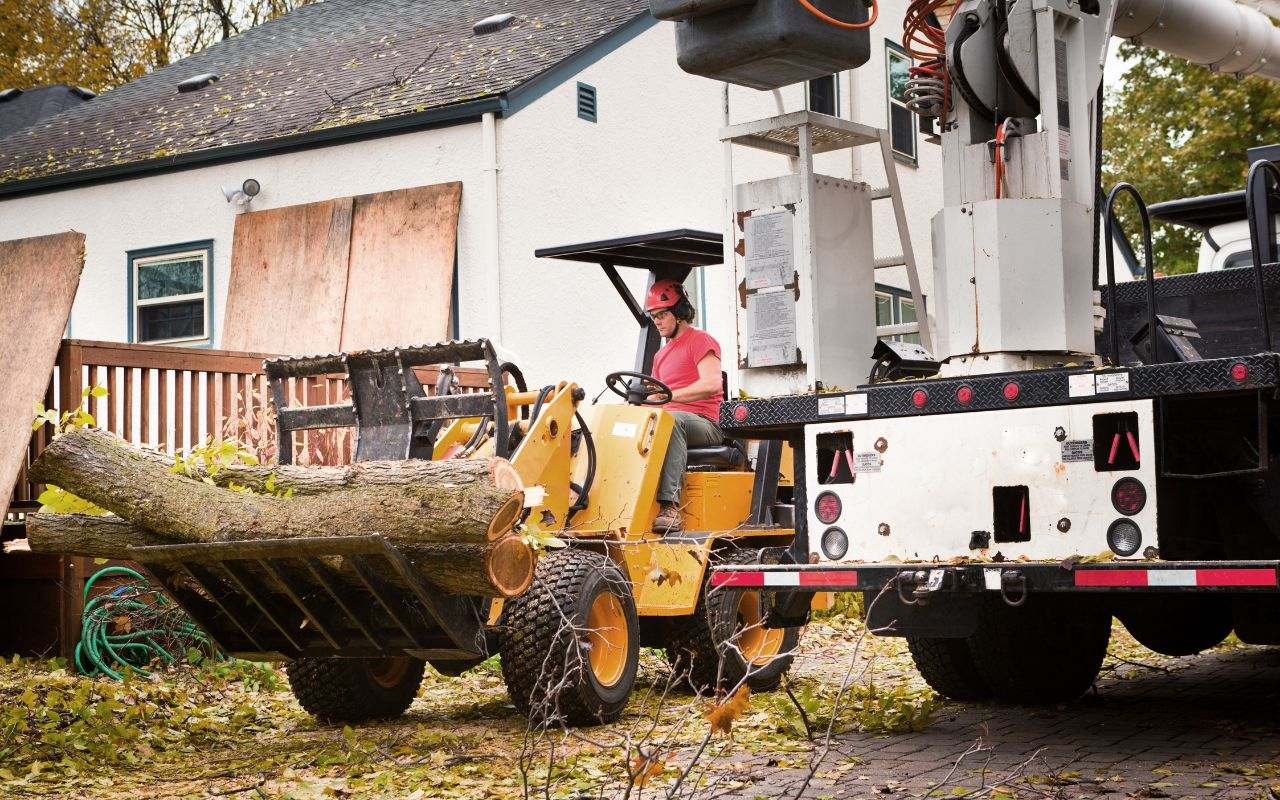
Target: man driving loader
{"x":689,"y":363}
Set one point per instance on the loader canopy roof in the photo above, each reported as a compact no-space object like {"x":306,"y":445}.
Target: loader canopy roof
{"x":669,"y":254}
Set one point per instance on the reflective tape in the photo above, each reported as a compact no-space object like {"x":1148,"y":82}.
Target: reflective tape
{"x":1223,"y":576}
{"x":778,"y":578}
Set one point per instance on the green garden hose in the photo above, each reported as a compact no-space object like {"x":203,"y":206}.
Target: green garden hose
{"x":133,"y":626}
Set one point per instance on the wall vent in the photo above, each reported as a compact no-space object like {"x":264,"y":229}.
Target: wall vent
{"x":586,"y":102}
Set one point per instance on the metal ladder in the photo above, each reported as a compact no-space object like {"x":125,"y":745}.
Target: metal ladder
{"x":801,"y":134}
{"x":907,"y":258}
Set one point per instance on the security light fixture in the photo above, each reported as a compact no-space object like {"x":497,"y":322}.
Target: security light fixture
{"x":242,"y":194}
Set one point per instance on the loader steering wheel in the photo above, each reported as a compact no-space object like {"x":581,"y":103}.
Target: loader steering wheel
{"x":638,"y":389}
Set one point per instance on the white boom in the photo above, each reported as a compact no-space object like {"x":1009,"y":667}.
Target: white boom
{"x":1220,"y":34}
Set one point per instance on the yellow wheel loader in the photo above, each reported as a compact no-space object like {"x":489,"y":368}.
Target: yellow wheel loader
{"x":570,"y":643}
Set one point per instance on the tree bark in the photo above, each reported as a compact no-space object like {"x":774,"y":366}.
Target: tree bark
{"x":87,"y":535}
{"x":503,"y":568}
{"x":463,"y":503}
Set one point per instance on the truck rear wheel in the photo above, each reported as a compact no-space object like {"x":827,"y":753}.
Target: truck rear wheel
{"x":1043,"y":652}
{"x":947,"y":666}
{"x":352,"y":690}
{"x":571,"y":644}
{"x":724,"y":642}
{"x":1178,"y":626}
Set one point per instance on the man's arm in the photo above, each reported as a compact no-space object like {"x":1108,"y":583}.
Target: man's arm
{"x":707,"y":385}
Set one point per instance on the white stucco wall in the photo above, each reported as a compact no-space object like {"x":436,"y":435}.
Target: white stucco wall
{"x":652,"y":162}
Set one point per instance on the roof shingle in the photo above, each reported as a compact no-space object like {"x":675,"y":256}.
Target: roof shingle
{"x":330,"y":64}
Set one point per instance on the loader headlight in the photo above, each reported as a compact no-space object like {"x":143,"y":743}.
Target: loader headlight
{"x":835,"y":543}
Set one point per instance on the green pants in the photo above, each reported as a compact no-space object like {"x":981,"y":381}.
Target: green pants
{"x":691,"y":430}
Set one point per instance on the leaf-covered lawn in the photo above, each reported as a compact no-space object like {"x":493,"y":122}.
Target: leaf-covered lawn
{"x":234,"y":730}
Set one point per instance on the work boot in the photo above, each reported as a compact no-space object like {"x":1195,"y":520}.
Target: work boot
{"x":668,"y":519}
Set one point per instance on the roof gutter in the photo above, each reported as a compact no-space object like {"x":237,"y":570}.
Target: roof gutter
{"x":441,"y":116}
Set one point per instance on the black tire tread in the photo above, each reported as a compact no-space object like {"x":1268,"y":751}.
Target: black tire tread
{"x":340,"y":691}
{"x":693,"y":652}
{"x":537,"y":649}
{"x":1045,"y":652}
{"x":947,"y":666}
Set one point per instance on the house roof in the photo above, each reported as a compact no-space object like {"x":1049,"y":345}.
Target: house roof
{"x":20,"y":108}
{"x":333,"y":70}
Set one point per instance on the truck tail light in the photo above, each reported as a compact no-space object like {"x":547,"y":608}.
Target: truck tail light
{"x":1124,"y":537}
{"x":835,"y":543}
{"x":827,"y":508}
{"x":1129,"y":496}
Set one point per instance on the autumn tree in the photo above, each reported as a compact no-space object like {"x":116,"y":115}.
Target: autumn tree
{"x":1177,"y":130}
{"x":99,"y":44}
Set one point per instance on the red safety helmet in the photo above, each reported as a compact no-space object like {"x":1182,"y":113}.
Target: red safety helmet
{"x":665,"y":293}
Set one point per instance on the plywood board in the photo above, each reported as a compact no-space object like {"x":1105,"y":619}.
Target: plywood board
{"x":289,"y":279}
{"x":38,"y":282}
{"x":400,"y":284}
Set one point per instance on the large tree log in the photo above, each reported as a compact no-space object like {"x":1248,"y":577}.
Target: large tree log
{"x":318,"y":480}
{"x":503,"y":568}
{"x":467,"y":507}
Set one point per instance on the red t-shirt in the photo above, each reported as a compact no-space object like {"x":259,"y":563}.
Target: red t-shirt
{"x":676,"y":365}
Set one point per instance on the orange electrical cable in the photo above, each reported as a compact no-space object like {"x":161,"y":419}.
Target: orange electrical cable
{"x":1001,"y":135}
{"x":839,"y":23}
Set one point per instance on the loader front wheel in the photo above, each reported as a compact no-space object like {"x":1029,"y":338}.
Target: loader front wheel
{"x":571,"y":644}
{"x":352,"y":690}
{"x":725,"y":642}
{"x":947,"y":666}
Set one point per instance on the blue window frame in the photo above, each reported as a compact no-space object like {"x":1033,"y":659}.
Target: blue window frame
{"x":170,"y":294}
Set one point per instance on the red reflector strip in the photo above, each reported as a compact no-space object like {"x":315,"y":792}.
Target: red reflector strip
{"x":1236,"y":577}
{"x":737,"y":578}
{"x":1226,"y":576}
{"x":1111,"y":577}
{"x":760,"y":578}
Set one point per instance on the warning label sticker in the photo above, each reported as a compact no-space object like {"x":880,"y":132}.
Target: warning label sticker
{"x":1112,"y":382}
{"x":1077,"y":450}
{"x":867,"y":462}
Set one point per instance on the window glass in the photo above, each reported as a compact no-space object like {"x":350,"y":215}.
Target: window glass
{"x":902,"y":123}
{"x":884,"y":309}
{"x":170,"y":295}
{"x":169,"y":277}
{"x":907,"y":313}
{"x":824,"y":95}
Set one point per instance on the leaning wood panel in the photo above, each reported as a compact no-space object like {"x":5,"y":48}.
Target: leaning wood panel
{"x":38,"y":282}
{"x":288,"y":278}
{"x":400,"y":284}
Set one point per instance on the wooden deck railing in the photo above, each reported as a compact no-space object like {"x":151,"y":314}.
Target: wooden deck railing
{"x":174,"y":397}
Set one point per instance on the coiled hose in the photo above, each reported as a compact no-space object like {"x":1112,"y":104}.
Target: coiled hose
{"x":135,"y":626}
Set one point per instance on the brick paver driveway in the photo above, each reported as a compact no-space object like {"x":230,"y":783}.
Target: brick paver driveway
{"x":1205,"y":729}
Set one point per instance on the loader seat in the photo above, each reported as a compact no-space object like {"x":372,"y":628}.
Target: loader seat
{"x":729,"y":455}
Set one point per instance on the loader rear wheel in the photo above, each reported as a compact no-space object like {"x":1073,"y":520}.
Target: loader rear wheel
{"x":1046,"y":651}
{"x":351,"y":690}
{"x":725,"y":642}
{"x":947,"y":666}
{"x":571,"y":644}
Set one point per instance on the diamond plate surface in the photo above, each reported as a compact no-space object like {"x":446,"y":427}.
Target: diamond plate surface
{"x":1037,"y":388}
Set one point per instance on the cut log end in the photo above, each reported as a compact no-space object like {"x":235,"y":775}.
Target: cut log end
{"x":504,"y":521}
{"x":511,"y":565}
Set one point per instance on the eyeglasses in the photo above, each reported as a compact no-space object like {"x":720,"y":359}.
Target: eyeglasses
{"x":658,"y":315}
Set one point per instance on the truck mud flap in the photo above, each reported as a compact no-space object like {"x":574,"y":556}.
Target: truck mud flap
{"x":287,"y":598}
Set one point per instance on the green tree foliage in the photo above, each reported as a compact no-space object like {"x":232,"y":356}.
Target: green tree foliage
{"x":99,"y":44}
{"x":1178,"y":130}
